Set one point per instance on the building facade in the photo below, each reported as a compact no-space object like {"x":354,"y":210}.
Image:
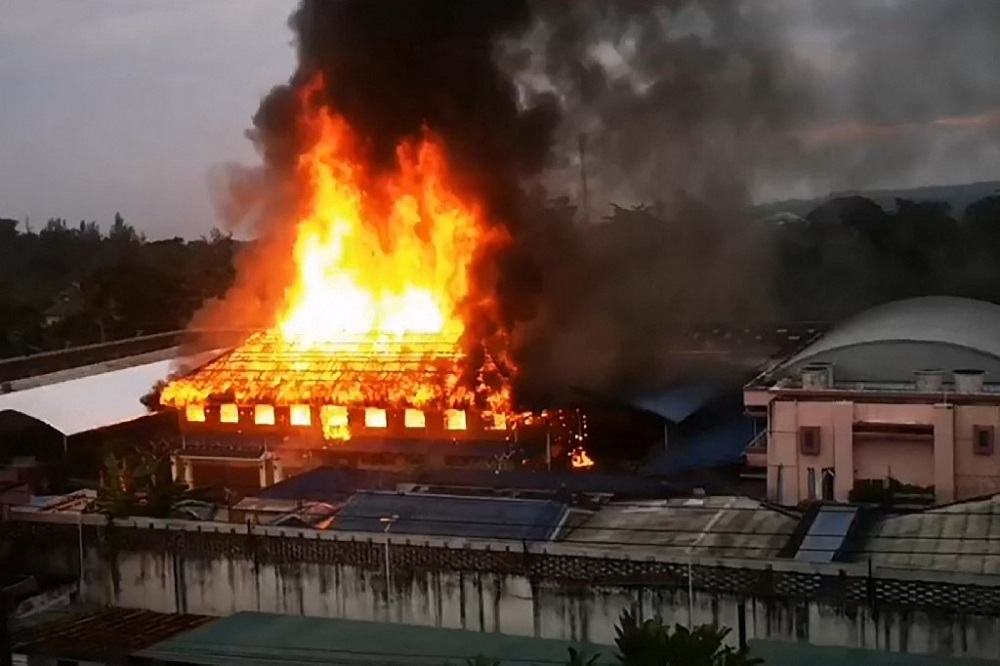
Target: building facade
{"x":904,"y":398}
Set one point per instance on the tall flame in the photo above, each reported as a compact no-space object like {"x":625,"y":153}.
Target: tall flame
{"x":382,"y":259}
{"x":379,"y":256}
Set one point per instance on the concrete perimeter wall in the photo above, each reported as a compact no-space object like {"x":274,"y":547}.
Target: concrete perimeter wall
{"x":556,"y":592}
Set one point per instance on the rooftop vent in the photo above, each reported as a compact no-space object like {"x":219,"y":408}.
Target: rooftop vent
{"x":930,"y":381}
{"x":817,"y":376}
{"x":969,"y":381}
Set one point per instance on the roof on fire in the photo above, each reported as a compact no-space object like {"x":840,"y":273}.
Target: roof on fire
{"x":890,"y":342}
{"x":452,"y":516}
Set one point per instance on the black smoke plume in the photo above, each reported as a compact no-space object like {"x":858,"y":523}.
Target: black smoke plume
{"x":682,"y":121}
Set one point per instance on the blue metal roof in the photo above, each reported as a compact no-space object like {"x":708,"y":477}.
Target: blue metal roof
{"x":723,"y":443}
{"x":826,"y":534}
{"x":680,"y":402}
{"x":577,"y":482}
{"x":329,"y":484}
{"x":452,"y":516}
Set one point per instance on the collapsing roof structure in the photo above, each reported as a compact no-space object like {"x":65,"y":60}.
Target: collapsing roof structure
{"x":268,"y":369}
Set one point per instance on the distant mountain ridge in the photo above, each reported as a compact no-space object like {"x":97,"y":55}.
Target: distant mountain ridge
{"x":958,"y":196}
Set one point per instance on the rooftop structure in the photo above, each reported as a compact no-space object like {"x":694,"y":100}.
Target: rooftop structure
{"x":962,"y":537}
{"x":714,"y":527}
{"x":451,"y":516}
{"x":903,"y":399}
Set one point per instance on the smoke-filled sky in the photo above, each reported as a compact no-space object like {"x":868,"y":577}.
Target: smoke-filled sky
{"x":122,"y":105}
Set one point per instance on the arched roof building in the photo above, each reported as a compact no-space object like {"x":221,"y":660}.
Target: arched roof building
{"x":891,"y":342}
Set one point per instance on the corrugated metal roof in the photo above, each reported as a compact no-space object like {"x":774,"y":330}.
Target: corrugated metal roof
{"x":92,"y":402}
{"x":680,"y":402}
{"x":960,"y":322}
{"x":108,"y":634}
{"x":328,"y":484}
{"x":715,"y":527}
{"x":721,"y":444}
{"x":452,"y":516}
{"x":960,"y":537}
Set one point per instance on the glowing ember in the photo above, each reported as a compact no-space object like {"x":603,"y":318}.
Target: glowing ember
{"x":373,"y":316}
{"x":580,"y":459}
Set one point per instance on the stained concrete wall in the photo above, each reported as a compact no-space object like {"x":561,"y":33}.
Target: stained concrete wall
{"x":168,"y":581}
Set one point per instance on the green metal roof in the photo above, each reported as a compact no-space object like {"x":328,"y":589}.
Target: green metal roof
{"x":263,"y":638}
{"x":292,"y":640}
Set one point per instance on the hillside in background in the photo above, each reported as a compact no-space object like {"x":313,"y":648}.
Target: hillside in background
{"x":958,"y":197}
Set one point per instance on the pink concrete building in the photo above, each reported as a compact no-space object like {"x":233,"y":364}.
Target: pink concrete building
{"x":909,"y":391}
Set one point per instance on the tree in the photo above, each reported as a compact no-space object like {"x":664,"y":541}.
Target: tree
{"x":652,"y":643}
{"x":140,"y":483}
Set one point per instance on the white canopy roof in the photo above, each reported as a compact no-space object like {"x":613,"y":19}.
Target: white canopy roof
{"x":91,"y":402}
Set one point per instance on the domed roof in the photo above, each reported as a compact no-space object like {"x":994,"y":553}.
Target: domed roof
{"x":891,"y":341}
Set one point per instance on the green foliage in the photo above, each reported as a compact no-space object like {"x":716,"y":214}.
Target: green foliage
{"x":139,"y":483}
{"x":67,"y":284}
{"x":652,"y":643}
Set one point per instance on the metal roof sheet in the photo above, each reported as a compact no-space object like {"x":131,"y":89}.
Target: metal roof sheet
{"x":92,"y":402}
{"x":963,"y":537}
{"x":452,"y":516}
{"x":960,"y":322}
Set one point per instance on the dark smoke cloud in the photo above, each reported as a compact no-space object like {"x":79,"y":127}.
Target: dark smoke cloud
{"x":683,"y":120}
{"x":690,"y":106}
{"x":683,"y":103}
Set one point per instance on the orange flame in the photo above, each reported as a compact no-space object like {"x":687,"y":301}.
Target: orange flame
{"x":580,"y":459}
{"x":382,"y":272}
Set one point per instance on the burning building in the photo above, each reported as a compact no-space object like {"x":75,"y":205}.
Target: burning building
{"x":377,"y":337}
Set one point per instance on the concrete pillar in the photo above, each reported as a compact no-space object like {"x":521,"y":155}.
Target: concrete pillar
{"x":944,"y":454}
{"x":188,"y":468}
{"x":843,"y":450}
{"x":262,"y":472}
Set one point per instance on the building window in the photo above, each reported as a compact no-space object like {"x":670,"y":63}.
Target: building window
{"x":300,"y":415}
{"x":454,"y":419}
{"x":263,"y":414}
{"x":229,"y":413}
{"x":195,"y":413}
{"x":811,"y":483}
{"x":414,"y":418}
{"x":982,"y":440}
{"x":375,"y":417}
{"x":809,"y":440}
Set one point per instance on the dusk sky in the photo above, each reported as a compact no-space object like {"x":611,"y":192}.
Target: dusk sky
{"x":127,"y":105}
